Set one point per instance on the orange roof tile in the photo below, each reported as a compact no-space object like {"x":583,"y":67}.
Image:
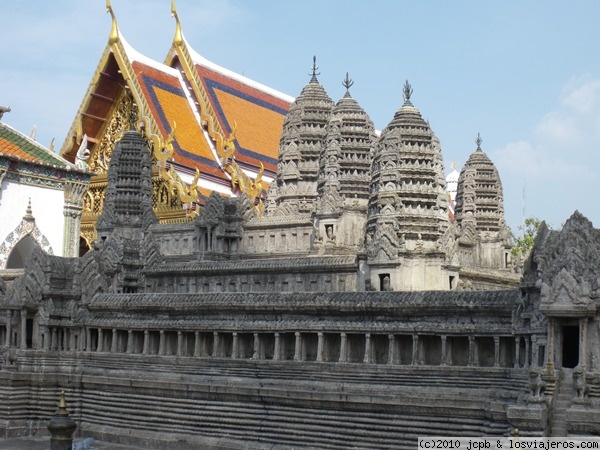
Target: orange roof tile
{"x":15,"y":143}
{"x":168,"y":102}
{"x":258,"y":114}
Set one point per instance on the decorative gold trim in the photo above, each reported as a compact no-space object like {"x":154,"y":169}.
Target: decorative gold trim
{"x":224,"y":146}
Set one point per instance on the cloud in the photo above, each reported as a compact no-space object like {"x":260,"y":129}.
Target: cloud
{"x":559,"y":161}
{"x":564,"y":140}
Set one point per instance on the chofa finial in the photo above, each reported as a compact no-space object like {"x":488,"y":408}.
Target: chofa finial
{"x":178,"y":38}
{"x":347,"y":83}
{"x":478,"y":141}
{"x":407,"y":91}
{"x":114,"y":31}
{"x":314,"y":69}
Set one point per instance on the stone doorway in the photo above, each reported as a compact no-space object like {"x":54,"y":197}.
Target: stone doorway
{"x":570,"y":346}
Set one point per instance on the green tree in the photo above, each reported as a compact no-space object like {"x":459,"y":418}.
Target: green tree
{"x":529,"y":230}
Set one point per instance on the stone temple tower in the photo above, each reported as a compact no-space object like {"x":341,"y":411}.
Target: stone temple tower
{"x":344,"y":178}
{"x":484,"y":237}
{"x":294,"y":189}
{"x":127,"y":214}
{"x":408,"y":207}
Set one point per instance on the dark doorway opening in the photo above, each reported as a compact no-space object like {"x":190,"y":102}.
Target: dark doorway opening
{"x":570,"y":346}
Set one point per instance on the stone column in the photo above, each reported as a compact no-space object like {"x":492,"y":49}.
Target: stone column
{"x":534,"y":351}
{"x":471,"y":350}
{"x":392,"y":350}
{"x":72,"y":223}
{"x":517,"y":351}
{"x":583,"y":325}
{"x":8,"y":327}
{"x":216,"y":345}
{"x":527,"y":351}
{"x":415,"y":350}
{"x":343,"y":347}
{"x":129,"y":341}
{"x":197,"y":348}
{"x":443,"y":359}
{"x":368,"y":349}
{"x":161,"y":342}
{"x":320,"y":346}
{"x":277,"y":349}
{"x":99,"y":347}
{"x":53,"y":343}
{"x":72,"y":340}
{"x":47,"y":340}
{"x":256,"y":352}
{"x":298,"y":347}
{"x":65,"y":339}
{"x":82,"y":339}
{"x":496,"y":351}
{"x":88,"y":339}
{"x":550,"y":349}
{"x":23,"y":329}
{"x":179,"y":343}
{"x":146,"y":342}
{"x":235,"y":345}
{"x":113,"y":346}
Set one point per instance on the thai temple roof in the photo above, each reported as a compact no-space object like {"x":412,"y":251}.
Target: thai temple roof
{"x":188,"y":102}
{"x":17,"y":145}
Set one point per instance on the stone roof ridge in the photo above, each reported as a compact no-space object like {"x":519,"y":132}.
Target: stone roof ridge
{"x":263,"y":263}
{"x":424,"y":302}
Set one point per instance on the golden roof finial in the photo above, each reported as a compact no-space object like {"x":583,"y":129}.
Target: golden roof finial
{"x":114,"y":31}
{"x":178,"y":39}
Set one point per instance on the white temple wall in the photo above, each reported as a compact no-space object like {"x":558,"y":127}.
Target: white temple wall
{"x":47,"y":205}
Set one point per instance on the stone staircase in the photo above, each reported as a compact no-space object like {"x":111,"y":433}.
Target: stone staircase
{"x":563,"y":399}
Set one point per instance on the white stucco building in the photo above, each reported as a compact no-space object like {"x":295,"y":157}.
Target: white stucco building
{"x":40,"y":200}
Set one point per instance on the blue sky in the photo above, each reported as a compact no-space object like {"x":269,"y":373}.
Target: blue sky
{"x":524,"y":74}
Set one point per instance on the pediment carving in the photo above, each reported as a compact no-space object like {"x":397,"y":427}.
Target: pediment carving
{"x":566,"y":297}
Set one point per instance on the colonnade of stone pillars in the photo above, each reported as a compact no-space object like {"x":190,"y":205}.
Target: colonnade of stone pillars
{"x":393,"y":348}
{"x":342,"y":347}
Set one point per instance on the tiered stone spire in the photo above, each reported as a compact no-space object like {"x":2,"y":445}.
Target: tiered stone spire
{"x":408,"y":200}
{"x":295,"y":186}
{"x":479,"y":198}
{"x":128,"y":202}
{"x":344,"y":173}
{"x":345,"y":163}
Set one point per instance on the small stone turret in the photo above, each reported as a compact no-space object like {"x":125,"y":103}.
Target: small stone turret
{"x":484,"y":237}
{"x":294,"y":188}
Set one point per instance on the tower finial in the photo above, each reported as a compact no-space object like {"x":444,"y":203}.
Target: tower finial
{"x":407,"y":91}
{"x":347,"y":83}
{"x":314,"y":70}
{"x":478,"y":141}
{"x":178,"y":39}
{"x":114,"y":31}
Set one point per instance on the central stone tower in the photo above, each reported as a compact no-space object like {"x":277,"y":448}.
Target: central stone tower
{"x":408,"y":207}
